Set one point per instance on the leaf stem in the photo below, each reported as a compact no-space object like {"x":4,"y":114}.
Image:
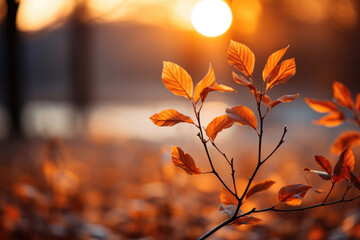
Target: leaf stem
{"x":332,"y":187}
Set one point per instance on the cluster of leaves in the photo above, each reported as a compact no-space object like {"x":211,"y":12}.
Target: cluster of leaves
{"x":179,"y":82}
{"x":336,"y":115}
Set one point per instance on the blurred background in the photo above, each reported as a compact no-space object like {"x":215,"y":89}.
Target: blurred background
{"x":79,"y":79}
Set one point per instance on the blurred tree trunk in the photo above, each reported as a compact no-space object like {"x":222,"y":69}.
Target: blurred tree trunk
{"x":13,"y":100}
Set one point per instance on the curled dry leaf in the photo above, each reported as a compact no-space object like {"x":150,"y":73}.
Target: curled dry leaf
{"x":216,"y":87}
{"x":242,"y":80}
{"x":206,"y":82}
{"x":347,"y":139}
{"x":177,"y":80}
{"x":345,"y":163}
{"x":342,"y":95}
{"x":262,"y":186}
{"x":243,"y":116}
{"x":322,"y":174}
{"x":324,"y":163}
{"x":332,"y":119}
{"x":354,"y":179}
{"x":184,"y":160}
{"x":357,"y":104}
{"x":321,"y":106}
{"x":285,"y":98}
{"x":227,"y":198}
{"x":246,"y":220}
{"x":265,"y":99}
{"x":217,"y":125}
{"x":272,"y":61}
{"x":293,"y":194}
{"x":281,"y":73}
{"x":241,"y":57}
{"x":169,"y":117}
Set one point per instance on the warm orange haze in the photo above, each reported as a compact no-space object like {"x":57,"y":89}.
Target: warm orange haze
{"x":179,"y":119}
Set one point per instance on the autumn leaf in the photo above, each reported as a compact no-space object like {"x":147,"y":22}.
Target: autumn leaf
{"x":293,"y":194}
{"x":283,"y":99}
{"x":346,"y":161}
{"x":169,"y":117}
{"x":217,"y":125}
{"x":342,"y":95}
{"x":265,"y":99}
{"x":357,"y":105}
{"x":354,"y":180}
{"x":216,"y":87}
{"x":281,"y":73}
{"x":321,"y":106}
{"x":272,"y":61}
{"x":227,"y":198}
{"x":322,"y":174}
{"x":228,"y":210}
{"x":206,"y":82}
{"x":177,"y":80}
{"x":324,"y":163}
{"x":246,"y":220}
{"x":241,"y":57}
{"x":243,"y":116}
{"x":332,"y":119}
{"x":184,"y":160}
{"x":347,"y":139}
{"x":242,"y":80}
{"x":262,"y":186}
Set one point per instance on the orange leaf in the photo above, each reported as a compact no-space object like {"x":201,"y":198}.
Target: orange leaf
{"x":262,"y":186}
{"x":206,"y":82}
{"x":322,"y":174}
{"x":265,"y":99}
{"x":357,"y":105}
{"x":242,"y":80}
{"x":293,"y":194}
{"x":246,"y":220}
{"x":281,"y":73}
{"x":347,"y":139}
{"x":321,"y":106}
{"x":243,"y":116}
{"x":346,"y":162}
{"x":184,"y":161}
{"x":169,"y":117}
{"x":324,"y":163}
{"x":285,"y":98}
{"x":332,"y":119}
{"x":342,"y":95}
{"x":227,"y":198}
{"x":272,"y":61}
{"x":354,"y":180}
{"x":177,"y":80}
{"x":216,"y":87}
{"x":217,"y":125}
{"x":241,"y":57}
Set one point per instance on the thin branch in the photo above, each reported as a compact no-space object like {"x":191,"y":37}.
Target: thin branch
{"x":279,"y":144}
{"x":332,"y":187}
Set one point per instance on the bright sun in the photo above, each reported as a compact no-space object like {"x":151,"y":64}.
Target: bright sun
{"x":211,"y":17}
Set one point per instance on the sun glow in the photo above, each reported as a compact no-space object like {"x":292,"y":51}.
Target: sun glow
{"x":211,"y":17}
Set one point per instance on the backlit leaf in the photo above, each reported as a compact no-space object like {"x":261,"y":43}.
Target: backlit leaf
{"x":332,"y":119}
{"x":347,"y":139}
{"x":243,"y":116}
{"x":346,"y":162}
{"x":242,"y":80}
{"x":241,"y":57}
{"x":184,"y":160}
{"x":342,"y":95}
{"x":322,"y":174}
{"x":216,"y":87}
{"x":354,"y":180}
{"x":357,"y":105}
{"x":227,"y":198}
{"x":207,"y":81}
{"x":324,"y":163}
{"x":272,"y":61}
{"x":246,"y":220}
{"x":265,"y":99}
{"x":262,"y":186}
{"x":217,"y":125}
{"x":293,"y":194}
{"x":321,"y":106}
{"x":169,"y":117}
{"x":177,"y":80}
{"x":281,"y":73}
{"x":285,"y":98}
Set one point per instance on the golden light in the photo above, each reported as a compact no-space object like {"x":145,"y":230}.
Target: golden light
{"x":211,"y":17}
